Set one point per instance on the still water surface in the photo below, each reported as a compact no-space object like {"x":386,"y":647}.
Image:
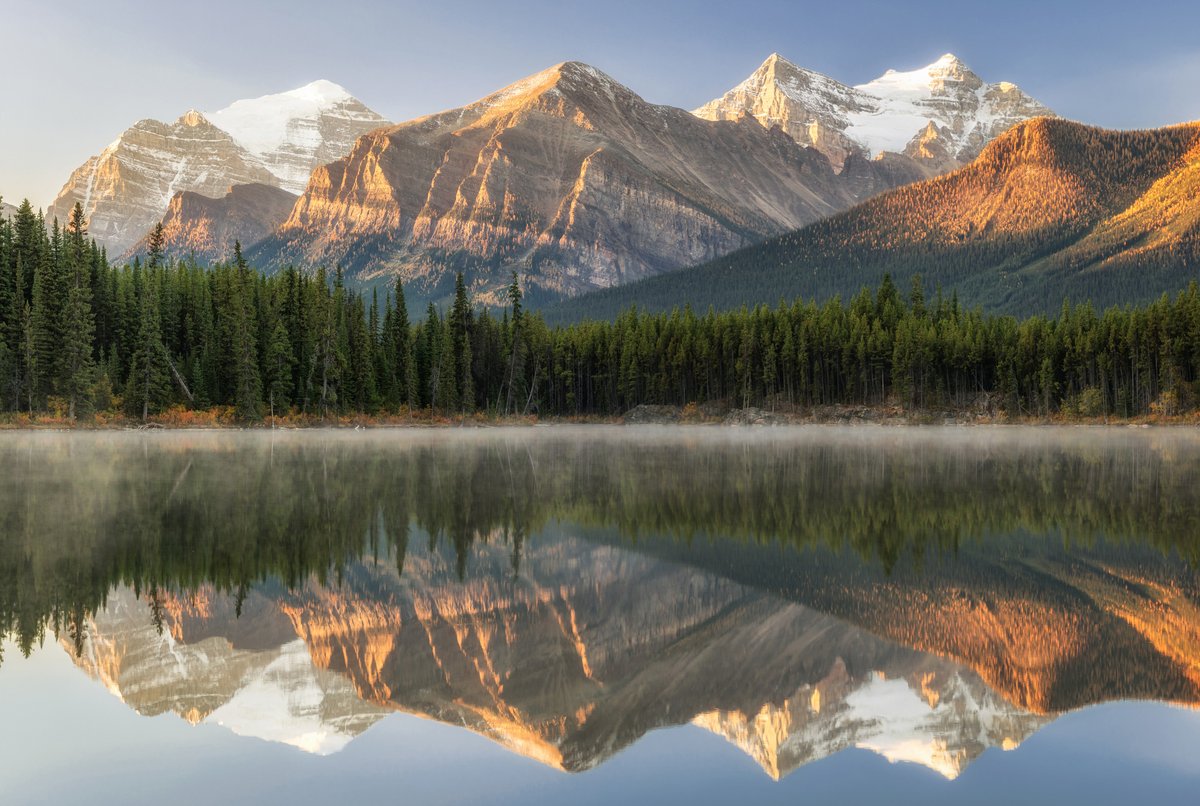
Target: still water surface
{"x":601,"y":615}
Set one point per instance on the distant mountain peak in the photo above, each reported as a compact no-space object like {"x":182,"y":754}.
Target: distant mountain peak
{"x":192,"y":117}
{"x":883,"y":115}
{"x":321,"y":90}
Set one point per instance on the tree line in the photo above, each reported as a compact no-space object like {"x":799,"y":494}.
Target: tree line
{"x":79,"y":334}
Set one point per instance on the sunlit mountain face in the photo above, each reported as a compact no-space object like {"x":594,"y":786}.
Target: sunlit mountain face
{"x":921,"y":595}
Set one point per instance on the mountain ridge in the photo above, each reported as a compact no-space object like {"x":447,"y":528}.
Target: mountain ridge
{"x":545,"y":666}
{"x":898,"y":112}
{"x":566,"y":176}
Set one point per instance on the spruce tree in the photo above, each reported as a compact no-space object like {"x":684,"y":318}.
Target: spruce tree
{"x":459,"y":341}
{"x":406,"y":362}
{"x":515,"y":364}
{"x":277,"y":364}
{"x":247,"y":381}
{"x":148,"y":388}
{"x":76,"y":367}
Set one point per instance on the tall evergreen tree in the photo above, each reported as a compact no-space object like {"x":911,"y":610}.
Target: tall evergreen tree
{"x":406,"y":363}
{"x":247,"y":380}
{"x":148,"y":388}
{"x":515,"y":350}
{"x":76,"y":367}
{"x":459,"y":323}
{"x":277,"y":365}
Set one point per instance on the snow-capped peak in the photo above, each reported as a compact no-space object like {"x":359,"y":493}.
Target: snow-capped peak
{"x":292,"y":132}
{"x":921,"y":80}
{"x":885,"y":114}
{"x":262,"y":125}
{"x":321,"y":92}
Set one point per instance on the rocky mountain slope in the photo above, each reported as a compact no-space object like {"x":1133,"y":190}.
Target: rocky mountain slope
{"x":126,"y":188}
{"x":7,"y":210}
{"x":205,"y":228}
{"x":940,"y":115}
{"x":275,"y":140}
{"x":1049,"y":210}
{"x":568,"y":177}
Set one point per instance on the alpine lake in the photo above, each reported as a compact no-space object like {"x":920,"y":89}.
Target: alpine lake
{"x":602,"y":615}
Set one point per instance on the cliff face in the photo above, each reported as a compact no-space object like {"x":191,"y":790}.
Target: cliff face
{"x":569,"y":178}
{"x":248,"y":674}
{"x":580,"y":655}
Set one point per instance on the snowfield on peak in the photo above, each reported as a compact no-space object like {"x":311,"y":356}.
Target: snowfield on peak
{"x":261,"y":125}
{"x":293,"y":132}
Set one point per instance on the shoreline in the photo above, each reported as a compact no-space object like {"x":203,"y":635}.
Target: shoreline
{"x":888,"y":416}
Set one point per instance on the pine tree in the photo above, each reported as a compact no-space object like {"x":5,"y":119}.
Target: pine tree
{"x":46,"y":320}
{"x":406,"y":362}
{"x":327,"y":358}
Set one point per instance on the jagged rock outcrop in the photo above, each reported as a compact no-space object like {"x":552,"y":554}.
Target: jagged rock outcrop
{"x":7,"y":210}
{"x":205,"y":228}
{"x":275,"y":140}
{"x":569,"y":178}
{"x":941,"y":115}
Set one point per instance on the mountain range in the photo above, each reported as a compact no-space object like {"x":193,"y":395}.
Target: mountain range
{"x":567,"y":176}
{"x":1050,"y":209}
{"x":275,"y":140}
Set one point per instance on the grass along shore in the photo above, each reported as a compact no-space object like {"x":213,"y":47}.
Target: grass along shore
{"x":711,"y":414}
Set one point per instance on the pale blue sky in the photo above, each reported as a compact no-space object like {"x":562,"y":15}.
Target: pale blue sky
{"x":78,"y":73}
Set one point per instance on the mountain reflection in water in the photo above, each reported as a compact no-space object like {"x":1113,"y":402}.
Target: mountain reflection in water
{"x":924,"y":594}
